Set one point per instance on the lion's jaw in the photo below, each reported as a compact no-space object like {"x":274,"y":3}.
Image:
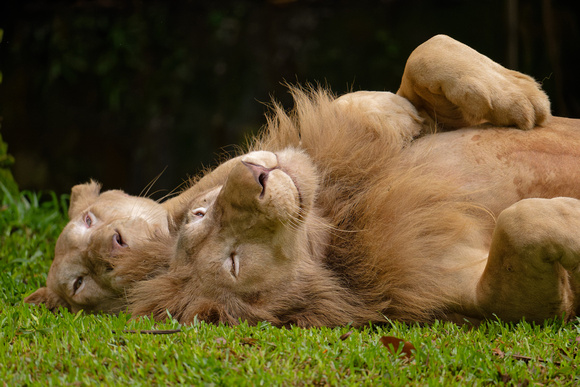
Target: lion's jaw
{"x":82,"y":275}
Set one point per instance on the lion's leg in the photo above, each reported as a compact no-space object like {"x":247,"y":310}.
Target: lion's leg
{"x":456,"y":86}
{"x":533,"y":259}
{"x":383,"y":112}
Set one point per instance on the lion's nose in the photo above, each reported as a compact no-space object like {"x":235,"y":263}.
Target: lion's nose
{"x":260,"y":164}
{"x":260,"y":174}
{"x":263,"y":158}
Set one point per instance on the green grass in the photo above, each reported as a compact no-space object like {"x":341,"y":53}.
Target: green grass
{"x":41,"y":348}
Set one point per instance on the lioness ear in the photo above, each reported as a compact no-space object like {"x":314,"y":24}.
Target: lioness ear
{"x":83,"y":195}
{"x":47,"y":297}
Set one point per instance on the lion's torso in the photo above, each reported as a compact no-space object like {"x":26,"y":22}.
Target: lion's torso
{"x":517,"y":164}
{"x":427,"y":220}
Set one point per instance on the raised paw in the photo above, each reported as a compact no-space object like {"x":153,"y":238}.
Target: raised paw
{"x":456,"y":86}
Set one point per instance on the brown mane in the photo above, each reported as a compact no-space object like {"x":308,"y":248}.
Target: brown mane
{"x":364,"y":267}
{"x":409,"y":204}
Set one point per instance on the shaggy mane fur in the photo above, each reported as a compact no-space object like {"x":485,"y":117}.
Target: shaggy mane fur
{"x":391,"y":223}
{"x":387,"y":227}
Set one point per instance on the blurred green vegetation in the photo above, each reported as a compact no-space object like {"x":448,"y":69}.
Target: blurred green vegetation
{"x":7,"y":182}
{"x":118,"y":90}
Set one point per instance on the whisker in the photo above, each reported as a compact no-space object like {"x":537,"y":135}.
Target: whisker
{"x":295,"y":222}
{"x":175,"y":191}
{"x":158,"y":191}
{"x":145,"y":191}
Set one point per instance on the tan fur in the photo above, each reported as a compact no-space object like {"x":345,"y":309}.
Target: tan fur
{"x":390,"y":233}
{"x":350,"y":140}
{"x":454,"y":86}
{"x":86,"y":272}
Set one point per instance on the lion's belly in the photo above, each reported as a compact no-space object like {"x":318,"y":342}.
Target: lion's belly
{"x":498,"y":166}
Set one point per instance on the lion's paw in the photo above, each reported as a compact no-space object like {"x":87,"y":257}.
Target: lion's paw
{"x":456,"y":86}
{"x":502,"y":97}
{"x":384,"y":112}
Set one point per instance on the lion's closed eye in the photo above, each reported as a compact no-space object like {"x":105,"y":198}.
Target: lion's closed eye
{"x":235,"y":262}
{"x":78,"y":285}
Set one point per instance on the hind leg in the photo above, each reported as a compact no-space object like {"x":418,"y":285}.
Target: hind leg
{"x":533,"y":261}
{"x":455,"y":86}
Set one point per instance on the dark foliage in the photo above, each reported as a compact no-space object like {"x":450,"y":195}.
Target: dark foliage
{"x":118,"y":90}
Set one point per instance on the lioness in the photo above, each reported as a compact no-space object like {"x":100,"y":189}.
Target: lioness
{"x":89,"y":272}
{"x":331,"y":221}
{"x":450,"y":84}
{"x":83,"y":274}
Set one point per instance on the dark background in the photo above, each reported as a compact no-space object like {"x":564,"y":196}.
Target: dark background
{"x":119,"y":90}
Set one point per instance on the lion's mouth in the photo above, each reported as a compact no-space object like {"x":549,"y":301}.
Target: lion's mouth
{"x":293,"y":178}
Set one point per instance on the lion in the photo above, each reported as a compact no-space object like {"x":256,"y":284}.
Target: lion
{"x":330,"y":220}
{"x":93,"y":275}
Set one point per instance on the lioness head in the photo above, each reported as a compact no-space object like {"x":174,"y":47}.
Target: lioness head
{"x":84,"y":272}
{"x":245,"y":246}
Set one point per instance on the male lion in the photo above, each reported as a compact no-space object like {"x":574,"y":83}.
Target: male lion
{"x":450,"y":84}
{"x":332,"y":220}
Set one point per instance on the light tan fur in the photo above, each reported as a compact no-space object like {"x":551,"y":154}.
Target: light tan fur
{"x":86,"y":272}
{"x":380,"y":118}
{"x":454,"y":86}
{"x":332,"y":220}
{"x":91,"y":256}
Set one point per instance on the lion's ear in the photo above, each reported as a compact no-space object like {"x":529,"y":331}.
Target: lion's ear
{"x":83,"y":195}
{"x":174,"y":221}
{"x":47,"y":297}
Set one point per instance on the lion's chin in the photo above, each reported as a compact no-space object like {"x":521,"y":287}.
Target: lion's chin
{"x":300,"y":199}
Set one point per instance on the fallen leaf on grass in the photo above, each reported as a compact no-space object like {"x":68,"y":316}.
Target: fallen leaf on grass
{"x":221,"y":340}
{"x":394,"y":343}
{"x":498,"y":352}
{"x":250,"y":341}
{"x":151,"y":332}
{"x":345,"y":336}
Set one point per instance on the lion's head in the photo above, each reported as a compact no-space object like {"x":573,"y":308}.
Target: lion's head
{"x":248,"y":248}
{"x":85,"y":273}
